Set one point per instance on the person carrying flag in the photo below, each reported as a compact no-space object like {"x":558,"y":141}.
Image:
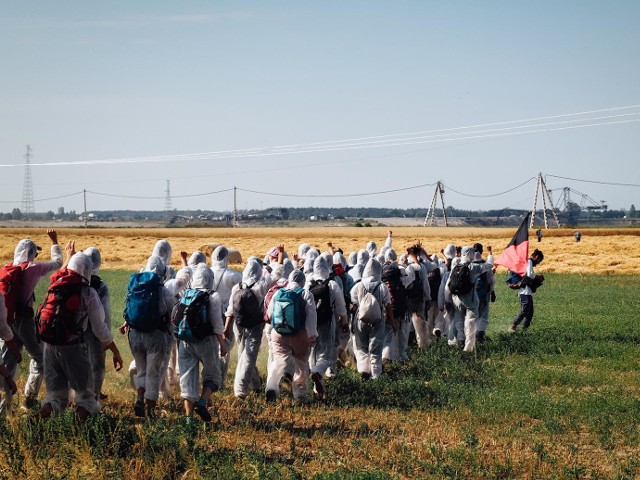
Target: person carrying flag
{"x":525,"y":293}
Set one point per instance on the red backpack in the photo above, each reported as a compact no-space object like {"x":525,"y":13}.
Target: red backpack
{"x":56,"y":321}
{"x":11,"y":287}
{"x":267,"y":300}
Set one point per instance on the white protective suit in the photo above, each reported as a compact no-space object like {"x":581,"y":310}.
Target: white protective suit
{"x":368,"y":338}
{"x":69,"y":366}
{"x":23,"y":328}
{"x":205,"y":352}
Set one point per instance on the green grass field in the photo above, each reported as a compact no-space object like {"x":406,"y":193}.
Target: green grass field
{"x":561,"y":402}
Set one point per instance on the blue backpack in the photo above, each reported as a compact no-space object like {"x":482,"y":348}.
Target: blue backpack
{"x":142,"y":305}
{"x":288,"y":316}
{"x":191,"y":315}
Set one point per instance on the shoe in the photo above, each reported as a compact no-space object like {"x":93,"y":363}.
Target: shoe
{"x":365,"y":376}
{"x":103,"y":396}
{"x":288,"y":377}
{"x":480,"y":337}
{"x":82,"y":414}
{"x":512,"y":329}
{"x":29,"y":403}
{"x":200,"y":407}
{"x":437,"y":332}
{"x":271,"y":396}
{"x":138,"y":408}
{"x":318,"y":387}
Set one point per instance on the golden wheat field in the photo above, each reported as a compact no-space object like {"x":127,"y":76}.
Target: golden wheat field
{"x":611,"y":251}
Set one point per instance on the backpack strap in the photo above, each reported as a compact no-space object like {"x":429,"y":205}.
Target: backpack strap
{"x":220,"y":281}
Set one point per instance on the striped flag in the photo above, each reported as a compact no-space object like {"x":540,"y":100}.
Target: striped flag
{"x":515,"y":257}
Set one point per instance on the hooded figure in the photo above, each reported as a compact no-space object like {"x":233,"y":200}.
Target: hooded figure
{"x":202,"y":277}
{"x":353,"y":259}
{"x":204,"y":351}
{"x":81,"y":263}
{"x":69,"y":365}
{"x":252,"y":272}
{"x":163,"y":250}
{"x":321,"y":270}
{"x":224,"y":280}
{"x":303,"y":249}
{"x":151,"y":349}
{"x":292,"y":350}
{"x":23,"y":331}
{"x":196,"y":258}
{"x":369,"y":338}
{"x":450,"y":251}
{"x":287,"y":268}
{"x":96,"y":352}
{"x":358,"y":268}
{"x":372,"y":248}
{"x":25,"y":251}
{"x":331,"y":310}
{"x":246,"y":307}
{"x":96,"y":259}
{"x":390,"y":256}
{"x":466,"y":305}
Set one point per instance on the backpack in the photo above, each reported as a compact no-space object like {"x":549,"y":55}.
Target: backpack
{"x":56,"y":320}
{"x":98,"y":285}
{"x":460,"y":280}
{"x":532,"y":283}
{"x":267,"y":300}
{"x":391,"y":276}
{"x":247,"y":311}
{"x":435,"y":278}
{"x":10,"y":287}
{"x":482,"y":285}
{"x":322,"y":297}
{"x":369,"y":308}
{"x":142,"y":305}
{"x":416,"y":290}
{"x":289,"y":315}
{"x":191,"y":315}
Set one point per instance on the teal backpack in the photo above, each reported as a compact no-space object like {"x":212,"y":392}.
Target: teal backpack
{"x":288,"y":316}
{"x":191,"y":315}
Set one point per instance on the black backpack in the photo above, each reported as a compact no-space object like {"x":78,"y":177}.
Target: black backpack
{"x":460,"y":280}
{"x":416,"y":290}
{"x":247,"y":311}
{"x":435,"y":278}
{"x":391,"y":276}
{"x":322,"y":297}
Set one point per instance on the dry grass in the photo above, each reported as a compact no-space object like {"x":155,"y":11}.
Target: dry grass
{"x":600,"y":251}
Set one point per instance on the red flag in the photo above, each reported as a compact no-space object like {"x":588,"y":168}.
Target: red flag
{"x":516,"y":256}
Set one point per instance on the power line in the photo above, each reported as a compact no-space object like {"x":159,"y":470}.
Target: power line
{"x":490,"y":195}
{"x":337,"y":195}
{"x":410,"y":139}
{"x":140,"y":197}
{"x":599,"y":182}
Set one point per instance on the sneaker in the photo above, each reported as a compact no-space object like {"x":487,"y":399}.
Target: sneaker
{"x":200,"y":407}
{"x":318,"y":387}
{"x":480,"y":337}
{"x":512,"y":329}
{"x":103,"y":396}
{"x":271,"y":396}
{"x":138,"y":408}
{"x":29,"y":403}
{"x":365,"y":376}
{"x":437,"y":332}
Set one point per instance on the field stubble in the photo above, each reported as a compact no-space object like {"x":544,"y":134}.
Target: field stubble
{"x":600,"y":251}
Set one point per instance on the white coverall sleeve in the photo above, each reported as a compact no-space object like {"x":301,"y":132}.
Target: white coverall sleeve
{"x":337,"y":300}
{"x":40,"y":269}
{"x":311,"y":321}
{"x":407,"y":275}
{"x":229,"y":312}
{"x":106,"y":306}
{"x":389,"y":241}
{"x":95,"y":314}
{"x":215,"y":314}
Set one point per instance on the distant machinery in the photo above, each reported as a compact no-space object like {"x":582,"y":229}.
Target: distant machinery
{"x":585,"y":202}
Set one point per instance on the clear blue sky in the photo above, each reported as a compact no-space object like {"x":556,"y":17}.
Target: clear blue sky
{"x":88,"y":80}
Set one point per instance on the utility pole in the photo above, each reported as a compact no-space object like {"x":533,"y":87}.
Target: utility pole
{"x":27,"y":190}
{"x":235,"y":207}
{"x":541,"y":186}
{"x":431,"y":213}
{"x":86,"y":220}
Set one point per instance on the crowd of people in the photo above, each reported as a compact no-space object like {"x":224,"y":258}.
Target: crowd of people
{"x":319,"y":309}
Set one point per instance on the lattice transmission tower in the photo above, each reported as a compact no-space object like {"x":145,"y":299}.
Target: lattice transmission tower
{"x":167,"y":198}
{"x":27,"y":190}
